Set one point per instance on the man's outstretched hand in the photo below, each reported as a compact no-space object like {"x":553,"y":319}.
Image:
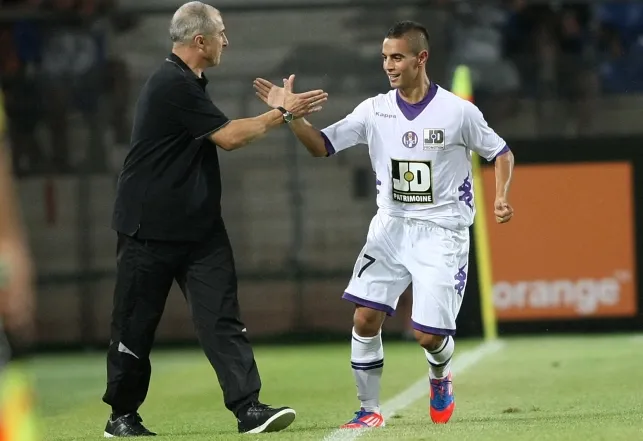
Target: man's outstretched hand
{"x":299,"y":104}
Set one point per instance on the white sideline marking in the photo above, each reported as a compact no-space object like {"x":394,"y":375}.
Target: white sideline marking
{"x":420,"y":389}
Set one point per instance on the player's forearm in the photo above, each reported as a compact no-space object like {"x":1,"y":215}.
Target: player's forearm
{"x":241,"y":132}
{"x":504,"y":172}
{"x":309,"y":136}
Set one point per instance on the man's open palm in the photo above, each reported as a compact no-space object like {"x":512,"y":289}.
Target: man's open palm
{"x":269,"y":93}
{"x":299,"y":104}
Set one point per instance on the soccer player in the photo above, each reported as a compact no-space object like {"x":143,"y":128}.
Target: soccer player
{"x":420,"y":139}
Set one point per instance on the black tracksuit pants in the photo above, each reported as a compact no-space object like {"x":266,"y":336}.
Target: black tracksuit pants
{"x":205,"y":271}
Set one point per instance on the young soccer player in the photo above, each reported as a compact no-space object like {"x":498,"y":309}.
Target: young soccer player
{"x":420,"y":138}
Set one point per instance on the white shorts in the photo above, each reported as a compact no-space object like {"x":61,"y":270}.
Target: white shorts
{"x":399,"y":251}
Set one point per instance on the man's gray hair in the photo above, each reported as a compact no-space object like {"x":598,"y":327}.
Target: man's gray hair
{"x":192,"y":19}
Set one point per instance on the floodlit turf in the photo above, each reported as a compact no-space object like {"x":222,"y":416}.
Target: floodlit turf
{"x":580,"y":388}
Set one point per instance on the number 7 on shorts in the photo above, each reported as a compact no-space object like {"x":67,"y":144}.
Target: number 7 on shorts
{"x":371,"y":261}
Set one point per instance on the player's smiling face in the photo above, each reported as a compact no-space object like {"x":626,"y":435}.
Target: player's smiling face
{"x":401,"y":65}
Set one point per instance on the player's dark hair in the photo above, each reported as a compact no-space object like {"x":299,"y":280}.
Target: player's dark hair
{"x":416,"y":34}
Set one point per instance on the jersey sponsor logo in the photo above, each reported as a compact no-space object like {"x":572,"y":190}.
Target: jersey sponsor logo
{"x":384,"y":115}
{"x":434,"y":139}
{"x":410,"y":139}
{"x":412,"y":181}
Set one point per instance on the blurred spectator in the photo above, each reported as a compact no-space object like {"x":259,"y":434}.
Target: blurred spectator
{"x":73,"y":67}
{"x":624,"y":17}
{"x":476,"y":40}
{"x":621,"y":32}
{"x":577,"y":65}
{"x":554,"y":50}
{"x":20,"y":44}
{"x":118,"y":81}
{"x":118,"y":86}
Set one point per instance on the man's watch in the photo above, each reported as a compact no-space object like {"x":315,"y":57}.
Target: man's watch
{"x":288,"y":117}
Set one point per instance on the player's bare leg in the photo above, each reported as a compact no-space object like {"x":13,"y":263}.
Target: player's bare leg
{"x":439,"y":351}
{"x":367,"y":361}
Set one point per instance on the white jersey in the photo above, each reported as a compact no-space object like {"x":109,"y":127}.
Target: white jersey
{"x":421,"y":153}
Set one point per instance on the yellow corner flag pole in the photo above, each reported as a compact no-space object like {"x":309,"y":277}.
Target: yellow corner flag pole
{"x":462,"y":87}
{"x":17,"y":407}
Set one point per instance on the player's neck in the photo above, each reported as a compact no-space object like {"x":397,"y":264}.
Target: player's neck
{"x":417,"y":92}
{"x":190,"y":58}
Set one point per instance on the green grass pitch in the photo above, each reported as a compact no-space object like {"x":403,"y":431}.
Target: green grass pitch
{"x":556,"y":388}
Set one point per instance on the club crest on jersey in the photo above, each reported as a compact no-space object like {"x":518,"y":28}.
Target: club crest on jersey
{"x":434,"y":139}
{"x":412,"y":181}
{"x":410,"y":139}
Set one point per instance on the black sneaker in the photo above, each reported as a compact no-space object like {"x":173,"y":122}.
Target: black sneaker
{"x":126,"y":425}
{"x":259,"y":418}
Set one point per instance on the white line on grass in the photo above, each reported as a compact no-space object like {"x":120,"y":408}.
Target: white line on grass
{"x":420,"y":389}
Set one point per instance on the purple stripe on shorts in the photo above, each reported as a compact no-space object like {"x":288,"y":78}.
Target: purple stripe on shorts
{"x":430,"y":330}
{"x":369,"y":304}
{"x":329,"y":145}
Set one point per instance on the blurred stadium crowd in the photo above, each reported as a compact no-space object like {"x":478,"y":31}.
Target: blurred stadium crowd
{"x":59,"y":67}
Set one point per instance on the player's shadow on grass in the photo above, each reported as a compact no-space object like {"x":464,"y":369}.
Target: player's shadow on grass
{"x":530,"y":416}
{"x":526,"y":416}
{"x":321,"y":428}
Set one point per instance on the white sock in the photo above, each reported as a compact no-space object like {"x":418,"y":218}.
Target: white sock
{"x":440,"y":359}
{"x":367,"y":361}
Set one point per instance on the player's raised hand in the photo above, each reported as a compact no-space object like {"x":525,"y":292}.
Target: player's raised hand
{"x":302,"y":104}
{"x":299,"y":104}
{"x":503,"y":211}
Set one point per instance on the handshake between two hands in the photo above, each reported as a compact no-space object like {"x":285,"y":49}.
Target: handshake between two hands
{"x":299,"y":104}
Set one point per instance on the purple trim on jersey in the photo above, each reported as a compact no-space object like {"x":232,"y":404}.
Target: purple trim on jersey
{"x":378,"y":182}
{"x":411,"y":111}
{"x":369,"y":304}
{"x":430,"y":330}
{"x":504,"y":150}
{"x":329,"y":145}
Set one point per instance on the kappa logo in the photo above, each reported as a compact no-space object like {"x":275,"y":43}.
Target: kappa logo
{"x":434,"y":139}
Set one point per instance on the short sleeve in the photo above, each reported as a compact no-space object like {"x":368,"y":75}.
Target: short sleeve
{"x":194,"y":110}
{"x":350,"y":131}
{"x":477,"y":134}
